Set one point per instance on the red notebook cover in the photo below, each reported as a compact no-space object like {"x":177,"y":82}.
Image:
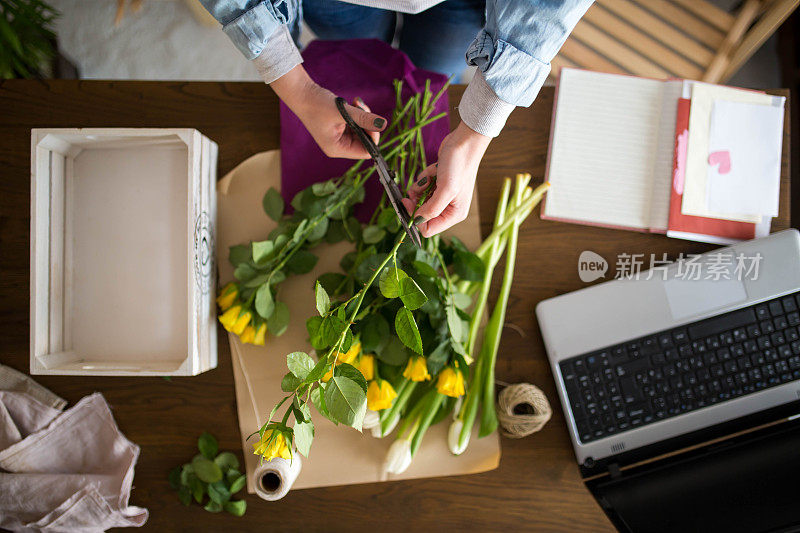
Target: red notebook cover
{"x":714,"y":227}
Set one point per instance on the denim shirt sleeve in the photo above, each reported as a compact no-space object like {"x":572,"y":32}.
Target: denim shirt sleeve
{"x":258,"y":28}
{"x":513,"y":54}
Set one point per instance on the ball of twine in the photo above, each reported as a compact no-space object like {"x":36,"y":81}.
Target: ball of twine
{"x":522,"y":409}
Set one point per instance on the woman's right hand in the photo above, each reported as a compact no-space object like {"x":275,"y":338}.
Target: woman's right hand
{"x":316,"y":108}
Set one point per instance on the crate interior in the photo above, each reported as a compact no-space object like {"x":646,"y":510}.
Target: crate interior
{"x":119,"y":229}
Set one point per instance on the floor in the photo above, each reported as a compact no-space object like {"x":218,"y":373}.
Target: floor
{"x":165,"y":41}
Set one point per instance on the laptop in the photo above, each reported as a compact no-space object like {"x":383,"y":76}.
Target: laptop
{"x":680,"y":386}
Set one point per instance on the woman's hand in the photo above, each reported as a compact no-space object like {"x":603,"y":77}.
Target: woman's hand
{"x":315,"y":106}
{"x":460,"y":155}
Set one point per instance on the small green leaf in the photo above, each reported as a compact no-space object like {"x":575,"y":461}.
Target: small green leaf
{"x":388,"y":219}
{"x":373,"y":234}
{"x":394,"y":353}
{"x":375,"y":333}
{"x":198,"y":489}
{"x":245,"y":272}
{"x":262,"y":251}
{"x":319,"y":230}
{"x":278,"y":321}
{"x":290,"y":382}
{"x":185,"y":495}
{"x":314,"y":328}
{"x":323,"y":300}
{"x":323,"y":188}
{"x":302,"y":262}
{"x":238,"y":254}
{"x":273,"y":204}
{"x":207,"y":445}
{"x":454,"y":323}
{"x":438,"y":358}
{"x":303,"y":436}
{"x":352,"y":228}
{"x":236,"y":508}
{"x":346,"y":401}
{"x":231,"y":476}
{"x":213,"y":507}
{"x":218,"y":492}
{"x":461,"y":300}
{"x":318,"y":371}
{"x":300,"y":364}
{"x":186,"y":472}
{"x":411,"y":295}
{"x":206,"y":470}
{"x":425,"y":269}
{"x":265,"y":305}
{"x":239,"y":483}
{"x":389,"y":283}
{"x":331,"y":282}
{"x":227,"y":461}
{"x":318,"y":399}
{"x":469,"y":266}
{"x":330,"y":330}
{"x":175,"y":478}
{"x":407,"y":330}
{"x":350,"y":372}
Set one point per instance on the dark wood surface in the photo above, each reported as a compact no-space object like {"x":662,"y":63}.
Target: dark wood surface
{"x":536,"y":487}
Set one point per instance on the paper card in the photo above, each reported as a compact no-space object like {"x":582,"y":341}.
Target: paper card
{"x":340,"y":455}
{"x":695,"y":183}
{"x":744,"y":156}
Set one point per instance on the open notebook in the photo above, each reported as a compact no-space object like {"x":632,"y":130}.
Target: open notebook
{"x":611,"y":150}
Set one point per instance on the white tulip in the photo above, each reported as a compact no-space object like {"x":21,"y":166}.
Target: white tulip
{"x":453,"y":437}
{"x":371,"y":420}
{"x":399,"y":457}
{"x":378,"y":433}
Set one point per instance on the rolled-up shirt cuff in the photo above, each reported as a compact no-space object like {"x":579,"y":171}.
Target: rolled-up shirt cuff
{"x":481,"y":109}
{"x":280,"y":55}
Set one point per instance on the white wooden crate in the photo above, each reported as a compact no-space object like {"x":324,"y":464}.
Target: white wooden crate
{"x":123,"y":226}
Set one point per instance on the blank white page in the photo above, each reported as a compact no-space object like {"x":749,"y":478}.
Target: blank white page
{"x":603,"y":151}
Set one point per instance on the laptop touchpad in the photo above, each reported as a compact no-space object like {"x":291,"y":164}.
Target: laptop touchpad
{"x":689,"y":298}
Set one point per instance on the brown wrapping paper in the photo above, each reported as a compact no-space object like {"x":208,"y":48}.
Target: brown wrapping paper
{"x":339,"y":455}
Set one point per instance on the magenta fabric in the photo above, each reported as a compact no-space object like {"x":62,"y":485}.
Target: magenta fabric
{"x":357,"y":67}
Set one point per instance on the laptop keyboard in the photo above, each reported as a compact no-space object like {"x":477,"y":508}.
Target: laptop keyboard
{"x":679,"y":370}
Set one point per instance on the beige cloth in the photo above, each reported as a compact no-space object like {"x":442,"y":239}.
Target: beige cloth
{"x":69,"y":471}
{"x":339,"y":455}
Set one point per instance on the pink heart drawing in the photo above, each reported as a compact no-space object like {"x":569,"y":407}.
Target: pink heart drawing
{"x":723,"y":158}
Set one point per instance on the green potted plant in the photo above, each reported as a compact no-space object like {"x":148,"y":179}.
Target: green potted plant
{"x":27,"y":41}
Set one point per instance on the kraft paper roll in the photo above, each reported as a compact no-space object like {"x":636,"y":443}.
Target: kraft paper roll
{"x":273,"y":479}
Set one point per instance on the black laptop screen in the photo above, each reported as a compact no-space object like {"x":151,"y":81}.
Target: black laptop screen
{"x":747,"y":486}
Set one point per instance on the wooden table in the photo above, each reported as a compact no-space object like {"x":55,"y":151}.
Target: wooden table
{"x":536,"y":487}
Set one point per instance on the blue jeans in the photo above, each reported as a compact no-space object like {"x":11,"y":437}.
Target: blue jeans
{"x":436,"y":39}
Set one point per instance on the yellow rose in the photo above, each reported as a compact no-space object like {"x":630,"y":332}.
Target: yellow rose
{"x":261,"y":334}
{"x":227,"y":296}
{"x":248,"y":335}
{"x":451,"y":382}
{"x":271,"y":450}
{"x":417,"y":369}
{"x":366,"y":365}
{"x":350,"y":356}
{"x":241,"y":323}
{"x":229,"y":317}
{"x":380,"y":395}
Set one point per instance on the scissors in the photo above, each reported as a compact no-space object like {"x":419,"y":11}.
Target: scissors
{"x":385,"y":175}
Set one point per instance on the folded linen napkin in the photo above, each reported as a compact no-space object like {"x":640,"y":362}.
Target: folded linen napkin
{"x":69,"y":471}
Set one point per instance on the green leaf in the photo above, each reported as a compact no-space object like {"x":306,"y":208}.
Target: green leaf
{"x":407,"y":330}
{"x":278,"y":321}
{"x":469,"y":266}
{"x":231,"y":476}
{"x":239,"y":254}
{"x":300,"y":364}
{"x":411,"y":295}
{"x":331,"y":281}
{"x":256,"y":281}
{"x":454,"y":323}
{"x":323,"y":188}
{"x":318,"y":371}
{"x":389,"y":283}
{"x":185,"y":495}
{"x":290,"y":382}
{"x":323,"y":300}
{"x":375,"y":333}
{"x":461,"y":300}
{"x":388,"y":219}
{"x":425,"y":269}
{"x":330,"y":330}
{"x":239,"y":483}
{"x":319,"y":230}
{"x":213,"y":507}
{"x":335,"y":232}
{"x":314,"y":328}
{"x":175,"y":478}
{"x":350,"y":372}
{"x":227,"y":461}
{"x":373,"y":234}
{"x":265,"y":305}
{"x":346,"y":401}
{"x":367,"y":267}
{"x":438,"y":358}
{"x":245,"y":272}
{"x":318,"y":399}
{"x":198,"y":489}
{"x":273,"y":204}
{"x":186,"y":472}
{"x":206,"y":470}
{"x":303,"y":436}
{"x":302,"y":262}
{"x":352,"y":228}
{"x":394,"y":353}
{"x":236,"y":508}
{"x":262,"y":251}
{"x":207,"y":445}
{"x":218,"y":492}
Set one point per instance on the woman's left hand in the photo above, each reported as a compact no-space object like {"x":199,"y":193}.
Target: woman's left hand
{"x":460,"y":155}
